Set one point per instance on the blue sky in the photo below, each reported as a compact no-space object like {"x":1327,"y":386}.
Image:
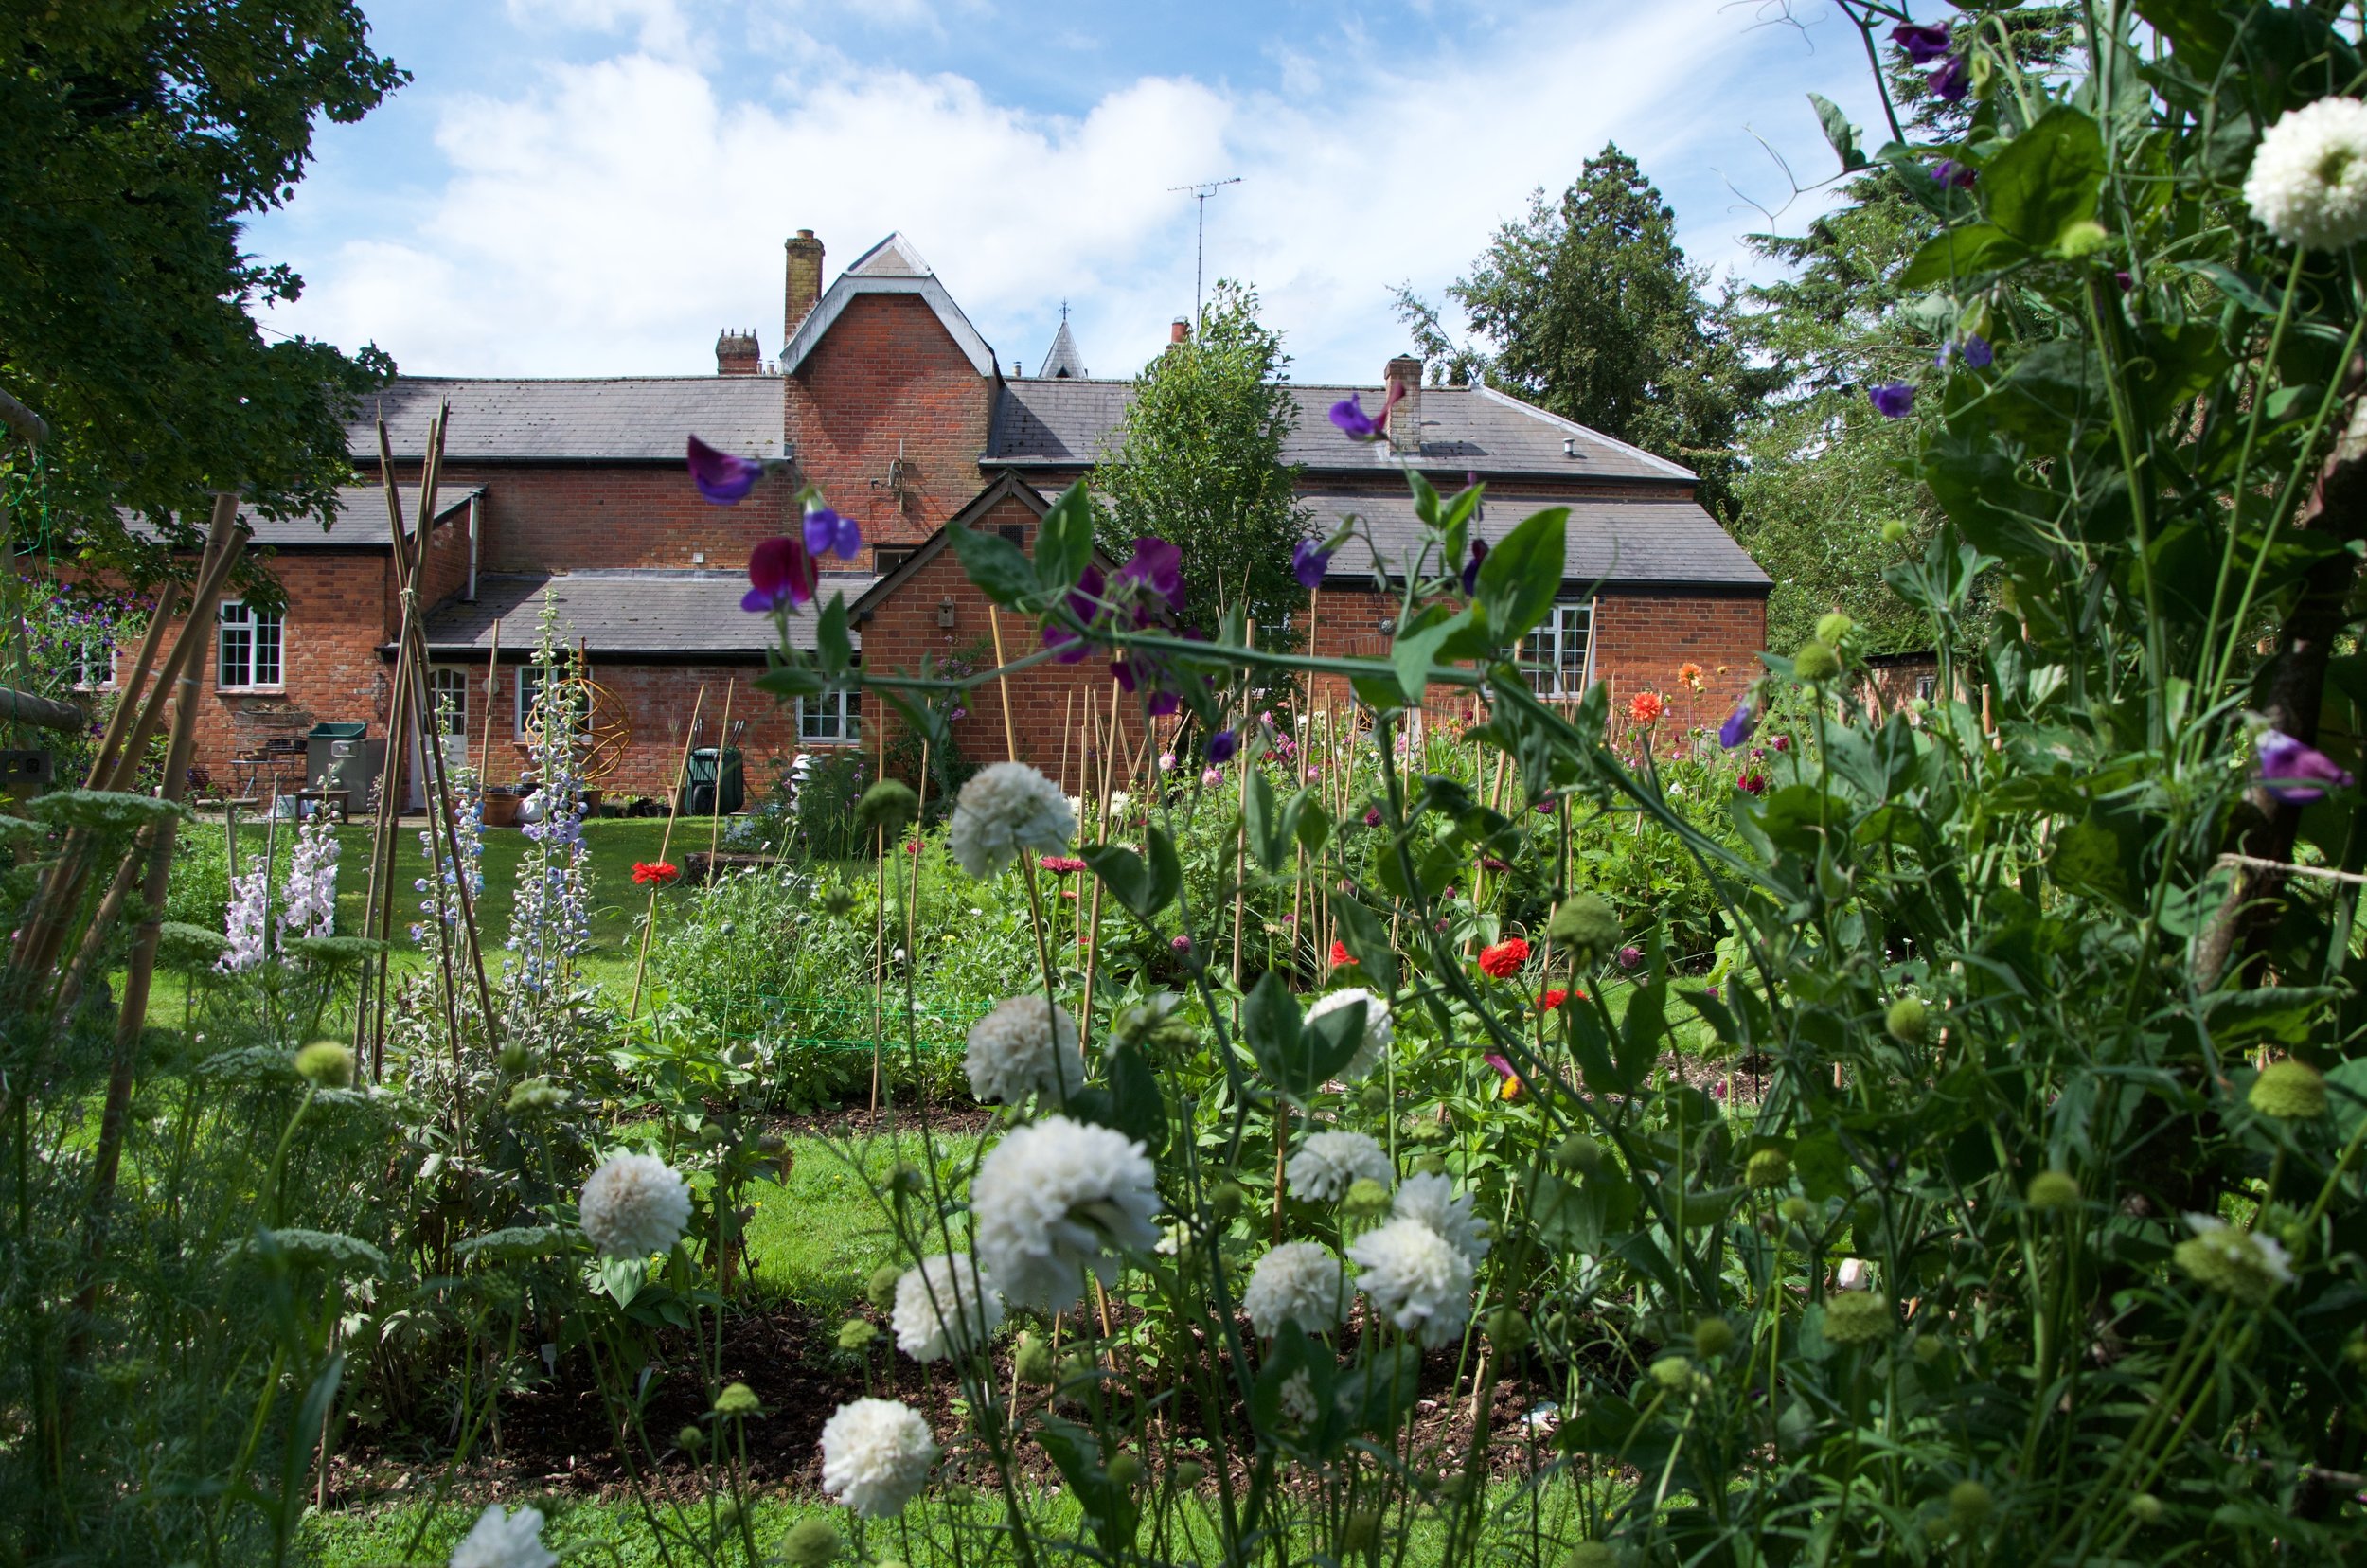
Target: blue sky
{"x":597,"y":186}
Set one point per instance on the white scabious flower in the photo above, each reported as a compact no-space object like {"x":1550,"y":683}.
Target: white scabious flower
{"x":1024,"y":1046}
{"x":1297,"y":1395}
{"x":2309,"y":180}
{"x":1007,"y":810}
{"x":505,"y":1541}
{"x":876,"y":1456}
{"x":1299,"y":1282}
{"x":1057,"y":1196}
{"x":1377,"y":1027}
{"x":1416,"y":1278}
{"x":944,"y":1306}
{"x":635,"y":1205}
{"x":1432,"y":1200}
{"x":1327,"y":1164}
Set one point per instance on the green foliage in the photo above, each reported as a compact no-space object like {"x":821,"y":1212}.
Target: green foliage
{"x":1199,"y":462}
{"x":140,"y":133}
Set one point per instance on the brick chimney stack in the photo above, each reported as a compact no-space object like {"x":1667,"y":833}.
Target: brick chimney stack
{"x":1180,"y":331}
{"x":804,"y":283}
{"x":736,"y":353}
{"x":1405,"y":420}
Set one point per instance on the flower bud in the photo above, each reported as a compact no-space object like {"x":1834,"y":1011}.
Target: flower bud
{"x":330,"y":1065}
{"x":810,"y":1542}
{"x":1579,"y":1153}
{"x":1905,"y":1020}
{"x":1769,"y":1168}
{"x":1361,"y":1531}
{"x":2145,"y":1508}
{"x":738,"y":1400}
{"x":690,"y":1439}
{"x":770,"y":1143}
{"x":1189,"y":1474}
{"x":1856,"y":1317}
{"x":1712,"y":1336}
{"x":515,"y":1059}
{"x":1815,"y":662}
{"x":1125,"y":1469}
{"x":1832,"y":627}
{"x":1968,"y":1503}
{"x":1226,"y":1198}
{"x":1034,"y":1360}
{"x":1586,"y":927}
{"x":1795,"y":1209}
{"x":1928,"y":1349}
{"x":2084,"y":237}
{"x":2289,"y":1089}
{"x":1894,"y":532}
{"x":714,"y":1135}
{"x":1429,"y":1165}
{"x":854,"y":1333}
{"x":528,"y":1095}
{"x":1374,"y":1099}
{"x":2053,"y":1190}
{"x":1365,"y":1197}
{"x":886,"y":807}
{"x":1591,"y":1554}
{"x":1672,"y":1372}
{"x":880,"y":1289}
{"x":1508,"y":1327}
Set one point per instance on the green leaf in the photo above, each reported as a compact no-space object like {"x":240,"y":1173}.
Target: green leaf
{"x":790,"y":681}
{"x":1314,"y":823}
{"x":832,"y":644}
{"x":1144,"y":886}
{"x":1368,"y":941}
{"x":1001,"y":570}
{"x":1521,"y":576}
{"x":1823,"y":1169}
{"x":1962,"y":253}
{"x":1838,"y":131}
{"x":1136,"y":1108}
{"x":1064,"y":541}
{"x":2046,"y":179}
{"x":1416,"y":652}
{"x":1296,"y":1056}
{"x":1270,"y":833}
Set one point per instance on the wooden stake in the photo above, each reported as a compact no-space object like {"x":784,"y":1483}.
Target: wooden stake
{"x":492,"y":688}
{"x":879,"y":939}
{"x":666,"y":841}
{"x":1003,"y":686}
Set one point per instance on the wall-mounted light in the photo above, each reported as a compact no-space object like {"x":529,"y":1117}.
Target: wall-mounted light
{"x":945,"y":611}
{"x":1388,"y":625}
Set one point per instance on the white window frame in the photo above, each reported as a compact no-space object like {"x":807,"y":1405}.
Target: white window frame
{"x":842,"y":709}
{"x":1536,"y":660}
{"x":446,"y":681}
{"x":239,"y":618}
{"x":87,"y":657}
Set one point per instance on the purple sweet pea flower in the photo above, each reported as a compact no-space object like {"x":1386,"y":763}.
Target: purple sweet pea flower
{"x":1356,"y":425}
{"x":1471,"y":567}
{"x":780,"y":575}
{"x":1222,"y":746}
{"x":2295,"y":773}
{"x":1085,"y":601}
{"x":826,"y":533}
{"x":1159,"y":567}
{"x":1975,"y":350}
{"x":1307,"y":563}
{"x":1738,"y":725}
{"x":1922,"y":43}
{"x":1948,"y":172}
{"x":721,"y":477}
{"x":1953,"y":80}
{"x":1892,"y":399}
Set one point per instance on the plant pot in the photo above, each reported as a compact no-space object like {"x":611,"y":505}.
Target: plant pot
{"x":500,"y":810}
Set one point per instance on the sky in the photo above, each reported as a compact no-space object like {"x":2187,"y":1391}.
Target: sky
{"x":572,"y":187}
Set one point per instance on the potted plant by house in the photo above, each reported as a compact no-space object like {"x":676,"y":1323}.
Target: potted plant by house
{"x":501,"y":806}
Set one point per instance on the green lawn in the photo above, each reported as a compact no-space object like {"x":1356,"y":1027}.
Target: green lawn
{"x":816,"y":1237}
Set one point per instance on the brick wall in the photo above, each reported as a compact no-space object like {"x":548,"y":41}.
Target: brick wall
{"x":888,"y":372}
{"x":541,"y":517}
{"x":655,"y":704}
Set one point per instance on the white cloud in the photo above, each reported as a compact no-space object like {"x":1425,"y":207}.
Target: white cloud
{"x":610,"y":216}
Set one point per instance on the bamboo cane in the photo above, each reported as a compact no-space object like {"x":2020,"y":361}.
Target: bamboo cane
{"x":673,"y":810}
{"x":126,"y":697}
{"x":1101,"y":815}
{"x":878,"y":939}
{"x":492,"y":690}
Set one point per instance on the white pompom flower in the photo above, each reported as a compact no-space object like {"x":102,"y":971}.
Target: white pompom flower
{"x":1008,"y":810}
{"x":2308,"y":179}
{"x":1300,"y":1282}
{"x":876,"y":1456}
{"x":505,"y":1541}
{"x":1375,"y":1050}
{"x":1327,"y":1164}
{"x":944,"y":1306}
{"x":633,"y":1205}
{"x":1416,"y":1278}
{"x":1025,"y":1045}
{"x":1057,"y":1196}
{"x":1430,"y":1199}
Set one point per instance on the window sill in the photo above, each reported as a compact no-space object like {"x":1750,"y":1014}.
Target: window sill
{"x":808,"y":742}
{"x":252,"y":692}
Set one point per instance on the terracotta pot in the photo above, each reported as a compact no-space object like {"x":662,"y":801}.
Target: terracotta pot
{"x":500,"y":810}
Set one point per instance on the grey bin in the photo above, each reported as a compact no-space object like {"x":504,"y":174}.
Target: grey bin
{"x":340,"y":757}
{"x":699,"y":796}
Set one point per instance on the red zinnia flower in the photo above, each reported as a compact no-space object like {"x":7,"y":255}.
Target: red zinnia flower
{"x":1644,"y":707}
{"x":1505,"y":959}
{"x":1551,"y":999}
{"x":1341,"y":957}
{"x":1062,"y":865}
{"x":1752,"y":783}
{"x":659,"y":872}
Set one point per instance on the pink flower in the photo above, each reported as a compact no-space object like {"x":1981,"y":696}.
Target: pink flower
{"x":780,"y":575}
{"x":1180,"y":944}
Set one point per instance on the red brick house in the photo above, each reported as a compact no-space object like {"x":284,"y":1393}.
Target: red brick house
{"x":574,"y":492}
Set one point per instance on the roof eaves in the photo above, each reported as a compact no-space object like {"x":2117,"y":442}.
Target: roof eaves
{"x":977,"y":505}
{"x":1673,"y":469}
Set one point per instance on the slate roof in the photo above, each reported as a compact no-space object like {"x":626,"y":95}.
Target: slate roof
{"x":361,"y":520}
{"x":1064,"y":424}
{"x":642,"y":418}
{"x":1063,"y":361}
{"x":623,"y":611}
{"x":1616,"y":540}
